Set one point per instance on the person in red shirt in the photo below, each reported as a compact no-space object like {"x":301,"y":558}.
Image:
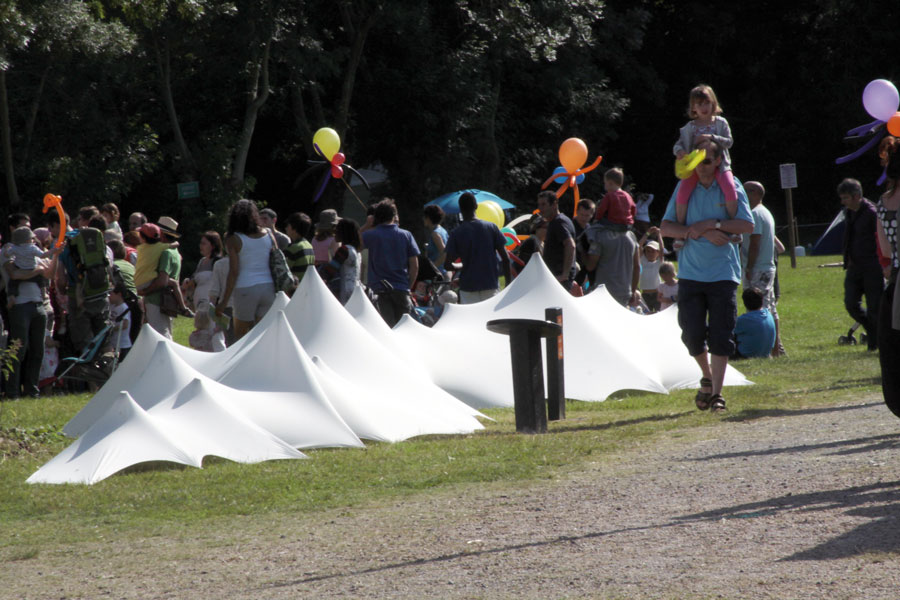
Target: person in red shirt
{"x":616,"y":210}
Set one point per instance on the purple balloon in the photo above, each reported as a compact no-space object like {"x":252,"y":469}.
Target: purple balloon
{"x":881,"y":99}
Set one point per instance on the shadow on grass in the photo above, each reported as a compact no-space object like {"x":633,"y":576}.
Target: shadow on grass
{"x":568,"y":426}
{"x":749,"y":414}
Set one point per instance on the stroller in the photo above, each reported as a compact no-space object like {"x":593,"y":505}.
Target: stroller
{"x":849,"y":339}
{"x":93,"y":365}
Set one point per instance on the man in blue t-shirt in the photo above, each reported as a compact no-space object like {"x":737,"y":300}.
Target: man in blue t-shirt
{"x":393,"y":262}
{"x":754,"y":333}
{"x":709,"y":270}
{"x":479,"y":244}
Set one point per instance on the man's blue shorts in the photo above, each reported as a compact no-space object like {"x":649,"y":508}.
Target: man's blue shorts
{"x":707,"y":313}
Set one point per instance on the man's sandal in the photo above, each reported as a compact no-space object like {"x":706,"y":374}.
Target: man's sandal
{"x":717,"y":403}
{"x":703,"y":400}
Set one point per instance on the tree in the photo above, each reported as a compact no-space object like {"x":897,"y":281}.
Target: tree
{"x":39,"y":35}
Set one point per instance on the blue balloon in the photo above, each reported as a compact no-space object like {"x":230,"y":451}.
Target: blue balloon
{"x":562,"y":180}
{"x":559,"y":170}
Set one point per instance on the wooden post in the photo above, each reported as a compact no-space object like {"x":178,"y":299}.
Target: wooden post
{"x":527,"y":368}
{"x":789,"y":182}
{"x":792,"y":239}
{"x":556,"y":385}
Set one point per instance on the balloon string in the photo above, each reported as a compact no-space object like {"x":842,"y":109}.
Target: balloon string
{"x":363,"y":204}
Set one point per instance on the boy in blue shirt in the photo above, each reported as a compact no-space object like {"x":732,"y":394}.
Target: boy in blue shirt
{"x":754,"y":333}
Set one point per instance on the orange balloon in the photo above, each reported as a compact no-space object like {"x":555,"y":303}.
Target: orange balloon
{"x":893,"y":125}
{"x":573,"y":154}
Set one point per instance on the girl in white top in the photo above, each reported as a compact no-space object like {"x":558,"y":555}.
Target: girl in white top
{"x":249,"y":285}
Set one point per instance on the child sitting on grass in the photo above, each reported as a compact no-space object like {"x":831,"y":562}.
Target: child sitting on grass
{"x":754,"y":332}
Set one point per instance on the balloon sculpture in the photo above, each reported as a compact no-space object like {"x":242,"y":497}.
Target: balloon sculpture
{"x":573,"y":153}
{"x":511,"y":237}
{"x":49,"y":202}
{"x":327,"y":143}
{"x":490,"y":211}
{"x":882,"y":101}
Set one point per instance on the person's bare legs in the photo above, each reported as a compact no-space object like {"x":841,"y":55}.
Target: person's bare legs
{"x":241,"y":328}
{"x":713,"y":368}
{"x":703,"y":362}
{"x":719,"y":364}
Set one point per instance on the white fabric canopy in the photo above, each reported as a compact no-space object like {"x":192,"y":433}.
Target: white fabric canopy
{"x":607,"y":347}
{"x":121,"y":436}
{"x":314,"y":374}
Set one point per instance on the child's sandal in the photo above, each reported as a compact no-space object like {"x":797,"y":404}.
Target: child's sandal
{"x":717,"y":403}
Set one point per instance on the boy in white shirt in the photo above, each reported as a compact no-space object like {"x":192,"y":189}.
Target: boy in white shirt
{"x":121,"y":316}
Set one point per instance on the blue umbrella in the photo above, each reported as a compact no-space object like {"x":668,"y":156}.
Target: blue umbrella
{"x":449,"y":203}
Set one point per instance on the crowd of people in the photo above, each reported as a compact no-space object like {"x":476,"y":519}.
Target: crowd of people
{"x":95,"y":283}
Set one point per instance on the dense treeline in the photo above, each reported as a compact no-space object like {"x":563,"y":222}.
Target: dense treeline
{"x":120,"y":100}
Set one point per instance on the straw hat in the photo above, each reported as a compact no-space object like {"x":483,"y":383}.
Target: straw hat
{"x":169,"y":226}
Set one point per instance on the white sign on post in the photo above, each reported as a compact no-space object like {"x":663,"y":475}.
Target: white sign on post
{"x":788,"y":176}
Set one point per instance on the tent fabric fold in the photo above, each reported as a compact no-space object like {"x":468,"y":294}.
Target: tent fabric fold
{"x":313,"y":373}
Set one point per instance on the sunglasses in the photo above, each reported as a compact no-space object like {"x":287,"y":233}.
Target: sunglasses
{"x":706,"y":161}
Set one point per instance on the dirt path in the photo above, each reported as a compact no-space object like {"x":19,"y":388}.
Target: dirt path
{"x":804,"y":504}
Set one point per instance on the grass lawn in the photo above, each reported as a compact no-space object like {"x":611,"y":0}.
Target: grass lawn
{"x":165,"y":499}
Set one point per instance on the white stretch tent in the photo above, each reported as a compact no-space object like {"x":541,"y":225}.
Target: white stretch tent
{"x":122,"y":436}
{"x":311,"y":374}
{"x":607,"y":347}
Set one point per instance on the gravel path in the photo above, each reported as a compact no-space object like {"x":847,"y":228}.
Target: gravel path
{"x":803,"y":504}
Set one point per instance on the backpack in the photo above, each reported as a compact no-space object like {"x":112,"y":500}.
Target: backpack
{"x":88,"y":251}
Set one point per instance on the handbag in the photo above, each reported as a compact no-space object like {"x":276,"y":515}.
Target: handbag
{"x":168,"y":305}
{"x":281,"y":273}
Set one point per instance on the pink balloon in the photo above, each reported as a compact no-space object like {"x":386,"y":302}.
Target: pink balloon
{"x":881,"y":99}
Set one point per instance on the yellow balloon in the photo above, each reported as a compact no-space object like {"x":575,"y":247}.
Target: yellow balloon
{"x":490,"y":211}
{"x":328,"y":141}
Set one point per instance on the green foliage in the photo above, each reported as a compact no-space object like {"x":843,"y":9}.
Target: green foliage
{"x":18,"y":440}
{"x":8,"y":357}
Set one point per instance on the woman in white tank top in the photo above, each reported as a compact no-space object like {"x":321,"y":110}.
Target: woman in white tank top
{"x":249,"y":285}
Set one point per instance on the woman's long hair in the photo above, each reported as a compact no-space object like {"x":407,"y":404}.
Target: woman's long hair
{"x":243,"y":218}
{"x":347,"y":232}
{"x":215,"y":240}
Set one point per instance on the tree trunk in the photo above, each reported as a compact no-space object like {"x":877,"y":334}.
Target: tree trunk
{"x":164,"y":68}
{"x":256,"y":98}
{"x":491,"y":174}
{"x":6,"y":140}
{"x":300,"y":118}
{"x":359,"y":41}
{"x":32,"y":116}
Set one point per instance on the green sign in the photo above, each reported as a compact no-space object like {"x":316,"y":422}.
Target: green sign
{"x":188,"y":190}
